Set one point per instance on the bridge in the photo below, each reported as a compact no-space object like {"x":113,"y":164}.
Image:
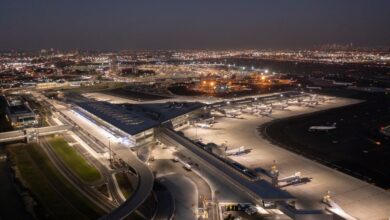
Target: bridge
{"x":30,"y":134}
{"x":144,"y":186}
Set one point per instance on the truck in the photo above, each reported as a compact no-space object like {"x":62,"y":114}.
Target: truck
{"x":187,"y":166}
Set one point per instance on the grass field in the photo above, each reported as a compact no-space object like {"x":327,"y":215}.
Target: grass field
{"x":54,"y":193}
{"x":74,"y":160}
{"x":124,"y":184}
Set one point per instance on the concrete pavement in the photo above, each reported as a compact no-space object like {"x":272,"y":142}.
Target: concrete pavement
{"x":356,"y":197}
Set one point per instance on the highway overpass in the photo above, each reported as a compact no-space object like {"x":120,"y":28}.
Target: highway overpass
{"x":29,"y":134}
{"x":144,"y":186}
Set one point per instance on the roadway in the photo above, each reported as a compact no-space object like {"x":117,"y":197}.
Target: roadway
{"x":97,"y":145}
{"x":166,"y":172}
{"x":165,"y":203}
{"x":93,"y":195}
{"x":144,"y":174}
{"x":102,"y":168}
{"x":82,"y":139}
{"x":144,"y":186}
{"x":259,"y":190}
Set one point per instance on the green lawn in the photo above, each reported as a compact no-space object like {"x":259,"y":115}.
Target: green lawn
{"x":59,"y":199}
{"x":124,"y":184}
{"x":74,"y":160}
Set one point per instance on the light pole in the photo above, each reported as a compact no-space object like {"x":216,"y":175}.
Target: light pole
{"x":37,"y":134}
{"x":196,"y":132}
{"x":109,"y":150}
{"x":226,"y":147}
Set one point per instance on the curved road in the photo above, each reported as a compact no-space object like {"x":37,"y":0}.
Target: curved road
{"x":144,"y":186}
{"x":145,"y":175}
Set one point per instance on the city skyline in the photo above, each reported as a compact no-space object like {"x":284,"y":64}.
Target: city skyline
{"x":124,"y":25}
{"x":195,"y":110}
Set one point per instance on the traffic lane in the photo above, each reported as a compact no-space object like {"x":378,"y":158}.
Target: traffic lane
{"x":165,"y":202}
{"x":165,"y":167}
{"x":185,"y":193}
{"x":258,"y":190}
{"x":144,"y":186}
{"x":145,"y":176}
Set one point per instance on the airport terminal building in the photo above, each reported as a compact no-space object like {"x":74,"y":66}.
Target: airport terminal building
{"x":137,"y":123}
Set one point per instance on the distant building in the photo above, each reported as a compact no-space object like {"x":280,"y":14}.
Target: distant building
{"x":19,"y":113}
{"x":51,"y":85}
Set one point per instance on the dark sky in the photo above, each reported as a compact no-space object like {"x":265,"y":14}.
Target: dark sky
{"x":191,"y":24}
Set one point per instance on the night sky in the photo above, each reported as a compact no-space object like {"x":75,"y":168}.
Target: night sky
{"x":195,"y":24}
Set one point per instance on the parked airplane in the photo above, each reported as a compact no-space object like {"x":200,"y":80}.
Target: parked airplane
{"x":217,"y":113}
{"x":322,"y":127}
{"x":237,"y":151}
{"x":314,"y":87}
{"x":385,"y":130}
{"x":203,"y":125}
{"x":249,"y":110}
{"x":266,"y":112}
{"x":263,"y":107}
{"x":294,"y":102}
{"x":279,"y":105}
{"x":291,"y":179}
{"x":210,"y":120}
{"x":310,"y":103}
{"x":342,"y":83}
{"x":323,"y":99}
{"x":232,"y":113}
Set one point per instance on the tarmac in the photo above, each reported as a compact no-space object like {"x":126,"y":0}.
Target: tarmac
{"x":358,"y":198}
